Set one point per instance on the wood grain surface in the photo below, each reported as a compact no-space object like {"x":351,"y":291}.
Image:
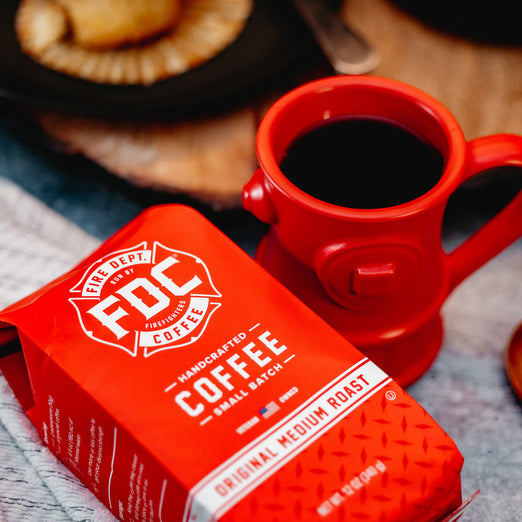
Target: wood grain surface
{"x":480,"y":83}
{"x":210,"y":158}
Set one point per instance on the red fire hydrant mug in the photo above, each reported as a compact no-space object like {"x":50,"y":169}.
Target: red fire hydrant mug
{"x":355,"y":173}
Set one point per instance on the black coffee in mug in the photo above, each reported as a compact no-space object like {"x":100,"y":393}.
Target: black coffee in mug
{"x":362,"y":163}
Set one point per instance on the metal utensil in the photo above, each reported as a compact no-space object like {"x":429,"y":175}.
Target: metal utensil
{"x":513,"y":362}
{"x":346,"y":51}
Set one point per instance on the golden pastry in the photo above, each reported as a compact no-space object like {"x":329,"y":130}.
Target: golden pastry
{"x":113,"y":23}
{"x":128,"y":41}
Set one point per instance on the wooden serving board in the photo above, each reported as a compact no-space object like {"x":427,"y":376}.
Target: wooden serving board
{"x":211,"y":159}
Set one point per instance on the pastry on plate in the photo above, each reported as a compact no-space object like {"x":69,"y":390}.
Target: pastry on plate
{"x":128,"y":41}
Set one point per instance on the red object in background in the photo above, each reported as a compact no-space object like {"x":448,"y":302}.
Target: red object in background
{"x":180,"y":381}
{"x":378,"y":276}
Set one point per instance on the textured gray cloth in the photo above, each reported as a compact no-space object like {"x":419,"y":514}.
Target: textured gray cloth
{"x":36,"y":245}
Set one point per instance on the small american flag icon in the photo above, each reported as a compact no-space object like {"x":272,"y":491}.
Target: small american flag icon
{"x":269,"y":409}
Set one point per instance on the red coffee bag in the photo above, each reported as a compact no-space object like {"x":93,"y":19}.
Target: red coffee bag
{"x":180,"y":381}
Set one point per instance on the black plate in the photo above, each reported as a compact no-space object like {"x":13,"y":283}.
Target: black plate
{"x":273,"y":40}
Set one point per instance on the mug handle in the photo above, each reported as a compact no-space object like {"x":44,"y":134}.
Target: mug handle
{"x":503,"y":229}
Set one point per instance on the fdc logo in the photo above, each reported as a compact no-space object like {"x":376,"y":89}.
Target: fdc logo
{"x":144,"y":300}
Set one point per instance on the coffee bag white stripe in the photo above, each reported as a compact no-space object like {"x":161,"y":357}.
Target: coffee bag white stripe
{"x":241,"y":473}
